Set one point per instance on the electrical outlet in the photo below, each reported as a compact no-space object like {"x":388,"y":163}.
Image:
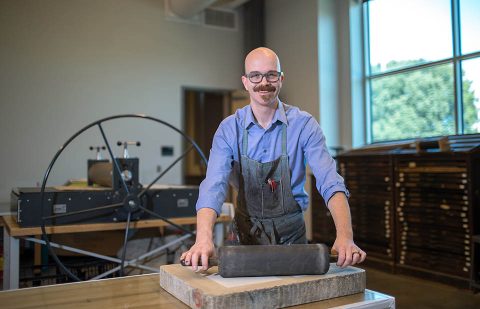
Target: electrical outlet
{"x":166,"y":151}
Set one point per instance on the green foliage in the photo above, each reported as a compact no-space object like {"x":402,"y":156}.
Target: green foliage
{"x":419,"y":103}
{"x":470,"y":113}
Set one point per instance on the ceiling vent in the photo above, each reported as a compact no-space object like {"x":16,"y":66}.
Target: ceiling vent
{"x":220,"y":19}
{"x":224,"y":19}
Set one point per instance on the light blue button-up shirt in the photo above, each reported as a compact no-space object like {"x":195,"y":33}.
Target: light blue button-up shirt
{"x":305,"y":144}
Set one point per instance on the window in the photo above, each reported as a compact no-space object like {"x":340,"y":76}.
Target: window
{"x":422,"y":68}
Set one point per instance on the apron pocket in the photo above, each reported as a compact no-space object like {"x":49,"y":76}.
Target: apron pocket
{"x":272,"y":199}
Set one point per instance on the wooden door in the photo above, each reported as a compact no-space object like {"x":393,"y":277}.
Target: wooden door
{"x":203,"y":112}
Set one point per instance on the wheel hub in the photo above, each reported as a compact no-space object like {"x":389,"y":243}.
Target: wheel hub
{"x":131,"y":203}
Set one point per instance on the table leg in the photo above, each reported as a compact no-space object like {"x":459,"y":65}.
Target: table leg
{"x":37,"y":257}
{"x":219,"y":234}
{"x":11,"y":258}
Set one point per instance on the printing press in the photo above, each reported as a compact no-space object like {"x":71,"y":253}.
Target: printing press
{"x":104,"y":188}
{"x":112,"y":192}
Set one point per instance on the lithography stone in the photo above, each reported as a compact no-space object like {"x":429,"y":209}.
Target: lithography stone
{"x":208,"y":290}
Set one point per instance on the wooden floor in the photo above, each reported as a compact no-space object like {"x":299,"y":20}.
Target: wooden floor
{"x":412,"y":292}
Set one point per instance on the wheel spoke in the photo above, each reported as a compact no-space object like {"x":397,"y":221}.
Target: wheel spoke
{"x":166,"y":220}
{"x":125,"y":240}
{"x":83,"y":211}
{"x":114,"y":161}
{"x":165,"y":171}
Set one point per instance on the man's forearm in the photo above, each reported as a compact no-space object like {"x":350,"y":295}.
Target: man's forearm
{"x":348,"y":252}
{"x":338,"y":206}
{"x":206,"y":218}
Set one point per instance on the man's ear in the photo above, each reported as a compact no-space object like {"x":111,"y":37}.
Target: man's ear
{"x":244,"y":81}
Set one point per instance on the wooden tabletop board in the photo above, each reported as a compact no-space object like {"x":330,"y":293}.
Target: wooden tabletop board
{"x":142,"y":291}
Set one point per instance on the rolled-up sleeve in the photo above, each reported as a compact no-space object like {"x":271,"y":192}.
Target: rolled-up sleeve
{"x":321,"y":163}
{"x":213,"y":189}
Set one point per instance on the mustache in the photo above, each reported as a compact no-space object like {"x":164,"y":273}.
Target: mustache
{"x":266,"y":87}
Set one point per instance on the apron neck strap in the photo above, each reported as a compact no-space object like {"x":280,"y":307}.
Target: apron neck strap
{"x":284,"y":139}
{"x":245,"y":136}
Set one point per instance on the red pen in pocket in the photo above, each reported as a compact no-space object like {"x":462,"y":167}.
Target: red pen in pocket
{"x":273,"y":184}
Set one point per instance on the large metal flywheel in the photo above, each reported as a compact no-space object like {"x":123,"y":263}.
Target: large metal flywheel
{"x":127,"y":198}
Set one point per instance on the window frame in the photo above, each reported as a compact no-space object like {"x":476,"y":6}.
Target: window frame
{"x":455,"y":60}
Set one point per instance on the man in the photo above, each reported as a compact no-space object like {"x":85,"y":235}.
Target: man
{"x":263,"y":148}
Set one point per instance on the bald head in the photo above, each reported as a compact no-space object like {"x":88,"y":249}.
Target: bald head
{"x":261,"y":57}
{"x":263,"y":65}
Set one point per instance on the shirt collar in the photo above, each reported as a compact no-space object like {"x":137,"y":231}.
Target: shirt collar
{"x":279,"y":115}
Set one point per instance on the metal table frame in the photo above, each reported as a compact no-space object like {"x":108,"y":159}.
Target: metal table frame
{"x":12,"y":234}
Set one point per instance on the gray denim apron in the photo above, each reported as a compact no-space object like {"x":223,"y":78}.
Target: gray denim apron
{"x":267,"y":212}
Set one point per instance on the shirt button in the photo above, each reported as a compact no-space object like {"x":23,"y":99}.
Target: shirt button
{"x":264,"y":150}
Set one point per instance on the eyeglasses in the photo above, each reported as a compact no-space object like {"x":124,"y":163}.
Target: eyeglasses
{"x":271,"y":76}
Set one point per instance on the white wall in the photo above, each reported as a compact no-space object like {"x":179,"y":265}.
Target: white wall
{"x":64,"y":64}
{"x":311,"y":37}
{"x":340,"y":52}
{"x":328,"y":55}
{"x":291,"y":32}
{"x":351,"y":20}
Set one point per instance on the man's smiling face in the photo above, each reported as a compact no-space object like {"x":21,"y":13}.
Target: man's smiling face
{"x":262,"y":61}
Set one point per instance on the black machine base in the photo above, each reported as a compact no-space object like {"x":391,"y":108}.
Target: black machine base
{"x":166,"y":201}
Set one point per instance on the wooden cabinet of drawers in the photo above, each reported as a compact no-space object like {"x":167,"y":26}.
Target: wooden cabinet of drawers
{"x":370,"y":182}
{"x":323,"y":228}
{"x":434,"y":214}
{"x":414,"y":209}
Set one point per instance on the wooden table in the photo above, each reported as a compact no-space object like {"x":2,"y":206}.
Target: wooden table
{"x":144,"y":291}
{"x":12,"y":232}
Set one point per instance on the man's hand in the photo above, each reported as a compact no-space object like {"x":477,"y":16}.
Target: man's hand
{"x":203,"y":247}
{"x":348,"y":252}
{"x":200,"y":250}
